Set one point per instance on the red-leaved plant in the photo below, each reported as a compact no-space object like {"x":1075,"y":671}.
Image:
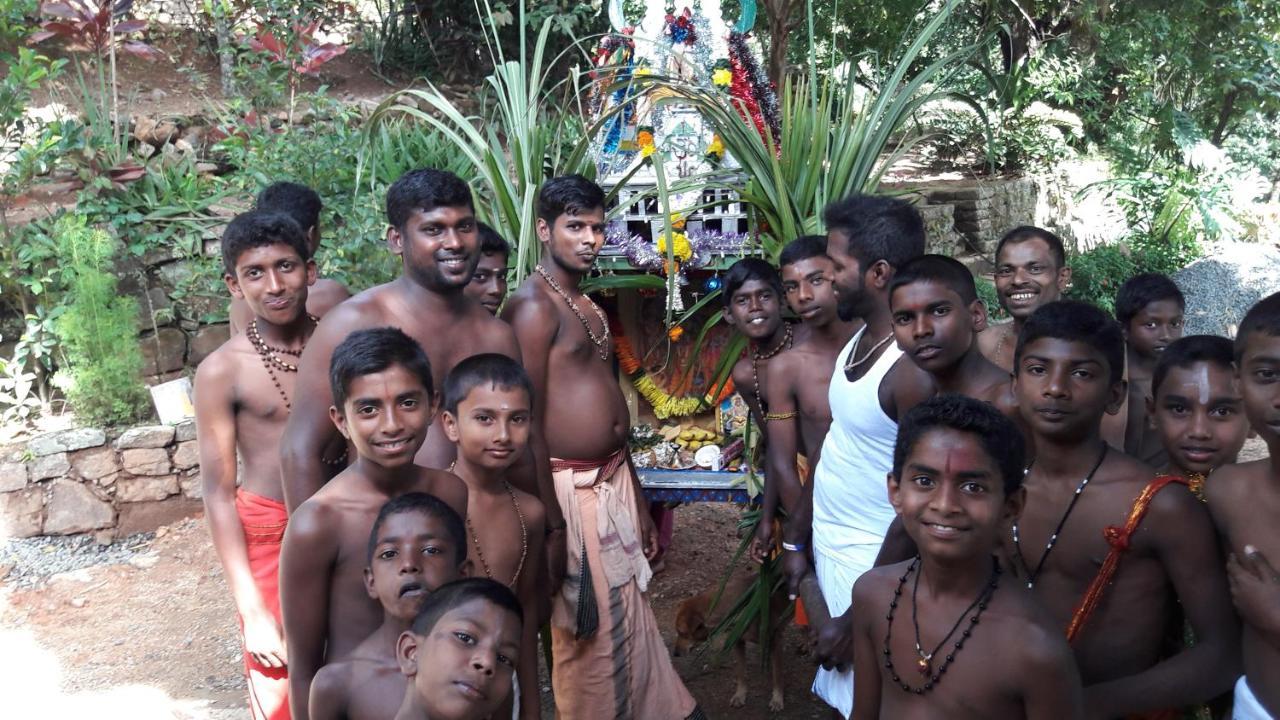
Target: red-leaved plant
{"x":87,"y":26}
{"x":297,"y":50}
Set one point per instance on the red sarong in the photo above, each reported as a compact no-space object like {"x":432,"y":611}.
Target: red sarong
{"x":264,"y":521}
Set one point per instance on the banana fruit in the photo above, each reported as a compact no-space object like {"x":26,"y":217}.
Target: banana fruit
{"x":690,"y":437}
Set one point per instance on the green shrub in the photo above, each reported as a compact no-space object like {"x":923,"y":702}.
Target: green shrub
{"x":103,"y":379}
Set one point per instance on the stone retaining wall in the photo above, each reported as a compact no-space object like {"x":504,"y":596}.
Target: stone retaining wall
{"x":970,"y":216}
{"x":81,"y":481}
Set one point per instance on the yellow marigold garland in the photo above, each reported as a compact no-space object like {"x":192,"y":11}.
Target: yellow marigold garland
{"x":664,"y":404}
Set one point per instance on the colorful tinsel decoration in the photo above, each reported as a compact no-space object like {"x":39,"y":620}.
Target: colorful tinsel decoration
{"x":705,"y":245}
{"x":664,"y":404}
{"x":751,"y":86}
{"x":680,"y":28}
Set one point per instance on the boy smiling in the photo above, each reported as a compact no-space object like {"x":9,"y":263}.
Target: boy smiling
{"x":384,"y":401}
{"x":956,"y":484}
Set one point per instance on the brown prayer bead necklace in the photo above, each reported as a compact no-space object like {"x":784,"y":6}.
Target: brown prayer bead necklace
{"x":524,"y":536}
{"x":756,"y":357}
{"x":925,"y":664}
{"x":271,"y":359}
{"x":601,"y":342}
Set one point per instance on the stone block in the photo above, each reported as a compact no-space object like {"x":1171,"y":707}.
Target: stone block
{"x":146,"y":436}
{"x":186,"y":455}
{"x":163,"y":352}
{"x":50,"y":466}
{"x":21,"y":513}
{"x":146,"y":461}
{"x":96,"y":463}
{"x":206,"y":340}
{"x":107,"y":481}
{"x":75,"y":508}
{"x":191,"y":487}
{"x":147,"y":516}
{"x":141,"y":489}
{"x":185,"y":430}
{"x":13,"y":476}
{"x":67,"y":440}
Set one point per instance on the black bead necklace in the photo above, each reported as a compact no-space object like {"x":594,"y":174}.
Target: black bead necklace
{"x":924,"y":665}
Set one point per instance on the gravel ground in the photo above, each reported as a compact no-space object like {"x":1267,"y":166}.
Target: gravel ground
{"x":26,"y":562}
{"x":1225,"y":283}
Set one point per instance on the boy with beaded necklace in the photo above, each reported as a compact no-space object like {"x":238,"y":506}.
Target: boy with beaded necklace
{"x":487,"y":413}
{"x":268,"y":268}
{"x":1110,"y":555}
{"x":973,"y":644}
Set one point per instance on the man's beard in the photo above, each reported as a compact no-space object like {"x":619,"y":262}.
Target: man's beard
{"x":847,"y":305}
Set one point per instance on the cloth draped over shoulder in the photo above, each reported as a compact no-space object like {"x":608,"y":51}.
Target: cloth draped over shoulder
{"x":621,"y":553}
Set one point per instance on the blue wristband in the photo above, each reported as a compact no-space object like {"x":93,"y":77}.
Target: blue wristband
{"x":794,"y":547}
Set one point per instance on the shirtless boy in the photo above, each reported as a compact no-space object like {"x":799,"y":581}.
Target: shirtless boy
{"x":937,"y":318}
{"x":242,"y":397}
{"x":1150,"y":310}
{"x":580,"y":422}
{"x":799,"y":414}
{"x":1196,"y":407}
{"x":1245,"y":501}
{"x":972,"y":644}
{"x":1031,"y":272}
{"x":460,"y":654}
{"x":844,"y":509}
{"x":488,"y":284}
{"x":1108,"y":548}
{"x":383,"y":404}
{"x":433,"y":230}
{"x":487,"y":413}
{"x":753,"y":306}
{"x":303,"y":205}
{"x":417,"y":544}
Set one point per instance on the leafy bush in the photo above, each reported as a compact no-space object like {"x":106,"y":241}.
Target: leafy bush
{"x":103,"y":377}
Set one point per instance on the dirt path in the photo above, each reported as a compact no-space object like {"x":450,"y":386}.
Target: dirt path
{"x":156,"y":637}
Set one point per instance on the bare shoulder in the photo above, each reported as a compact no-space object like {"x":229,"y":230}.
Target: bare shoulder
{"x":1230,"y":485}
{"x":875,"y":583}
{"x":317,"y":518}
{"x":496,"y":335}
{"x":535,"y":513}
{"x":990,"y":336}
{"x":445,"y":485}
{"x":1039,"y":647}
{"x":1119,"y":468}
{"x":325,"y":295}
{"x":219,"y":369}
{"x":530,"y":309}
{"x":742,"y":372}
{"x":331,"y":686}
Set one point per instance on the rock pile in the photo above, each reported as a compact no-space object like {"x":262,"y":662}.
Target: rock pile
{"x":1221,"y":286}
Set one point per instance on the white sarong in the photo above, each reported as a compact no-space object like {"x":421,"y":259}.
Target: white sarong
{"x":836,"y":577}
{"x":1247,"y":706}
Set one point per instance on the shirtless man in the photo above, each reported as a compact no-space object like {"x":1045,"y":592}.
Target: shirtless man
{"x":1031,"y":271}
{"x":242,"y":396}
{"x":1245,"y":501}
{"x":303,"y":205}
{"x":844,"y":509}
{"x":433,"y":230}
{"x":1109,"y":549}
{"x":609,"y":660}
{"x":753,"y":306}
{"x":383,"y":404}
{"x":799,"y":415}
{"x":981,"y":647}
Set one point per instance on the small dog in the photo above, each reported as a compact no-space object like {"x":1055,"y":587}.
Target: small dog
{"x":695,"y":620}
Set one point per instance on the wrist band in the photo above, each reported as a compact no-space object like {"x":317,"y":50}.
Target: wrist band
{"x":794,"y":547}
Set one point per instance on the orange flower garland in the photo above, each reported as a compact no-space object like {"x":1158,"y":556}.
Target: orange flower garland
{"x":664,"y":404}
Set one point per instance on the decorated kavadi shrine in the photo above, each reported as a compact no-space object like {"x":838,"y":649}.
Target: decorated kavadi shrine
{"x":690,"y":436}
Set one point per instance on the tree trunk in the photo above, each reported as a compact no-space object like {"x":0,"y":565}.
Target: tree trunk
{"x":226,"y":50}
{"x":1224,"y":117}
{"x":779,"y":12}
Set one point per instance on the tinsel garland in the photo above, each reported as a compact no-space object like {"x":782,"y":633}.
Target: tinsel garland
{"x":664,"y":404}
{"x":705,"y":244}
{"x":751,"y":86}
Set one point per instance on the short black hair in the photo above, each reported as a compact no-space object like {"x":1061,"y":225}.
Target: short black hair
{"x":369,"y":351}
{"x":429,"y":506}
{"x":999,"y":437}
{"x":491,"y":243}
{"x":485,"y":369}
{"x":297,"y":201}
{"x":748,"y":269}
{"x":425,"y":189}
{"x":938,"y":269}
{"x":1263,"y":317}
{"x":878,"y":228}
{"x":803,"y":248}
{"x":1187,"y":351}
{"x":1141,"y":290}
{"x":568,"y":194}
{"x":259,"y":228}
{"x":1022,"y":233}
{"x":460,"y":592}
{"x":1075,"y":321}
